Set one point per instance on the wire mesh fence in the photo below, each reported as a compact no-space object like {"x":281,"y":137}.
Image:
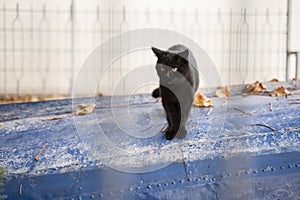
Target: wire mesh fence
{"x":42,"y":47}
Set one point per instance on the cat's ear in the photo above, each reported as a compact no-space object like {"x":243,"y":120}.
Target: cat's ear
{"x":157,"y":51}
{"x":184,"y":54}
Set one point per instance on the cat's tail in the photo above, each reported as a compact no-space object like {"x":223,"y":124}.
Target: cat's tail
{"x":156,"y":93}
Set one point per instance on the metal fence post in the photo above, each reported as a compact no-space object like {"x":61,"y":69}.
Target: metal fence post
{"x":72,"y":32}
{"x":4,"y":49}
{"x":297,"y":66}
{"x":288,"y":30}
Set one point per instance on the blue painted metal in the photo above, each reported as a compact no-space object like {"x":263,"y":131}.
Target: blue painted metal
{"x":223,"y":157}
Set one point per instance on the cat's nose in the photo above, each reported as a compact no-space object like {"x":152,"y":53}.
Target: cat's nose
{"x":168,"y":74}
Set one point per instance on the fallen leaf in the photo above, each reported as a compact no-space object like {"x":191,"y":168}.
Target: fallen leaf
{"x":280,"y":91}
{"x":254,"y":88}
{"x":270,"y":106}
{"x":292,"y":128}
{"x":85,"y":109}
{"x":36,"y":158}
{"x":15,"y":98}
{"x":222,"y":92}
{"x":274,"y":80}
{"x":52,"y":118}
{"x":247,"y":113}
{"x":27,"y":98}
{"x":202,"y":101}
{"x":81,"y":106}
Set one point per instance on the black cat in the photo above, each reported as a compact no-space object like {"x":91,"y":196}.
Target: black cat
{"x":178,"y":82}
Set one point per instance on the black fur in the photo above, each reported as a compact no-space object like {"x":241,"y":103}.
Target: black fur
{"x":179,"y":80}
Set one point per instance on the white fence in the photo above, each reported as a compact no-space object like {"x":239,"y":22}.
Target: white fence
{"x":42,"y":46}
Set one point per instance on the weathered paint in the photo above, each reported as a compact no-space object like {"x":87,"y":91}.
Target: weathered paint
{"x":223,"y":157}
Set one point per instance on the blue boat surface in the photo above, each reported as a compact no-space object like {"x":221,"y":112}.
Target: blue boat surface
{"x":238,"y":149}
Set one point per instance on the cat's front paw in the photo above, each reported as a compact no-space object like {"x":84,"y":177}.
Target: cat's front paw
{"x":181,"y":134}
{"x":170,"y":135}
{"x":156,"y":93}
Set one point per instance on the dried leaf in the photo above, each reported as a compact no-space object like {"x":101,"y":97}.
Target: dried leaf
{"x":81,"y":106}
{"x":280,"y":91}
{"x":254,"y":88}
{"x":222,"y":92}
{"x":202,"y":101}
{"x":270,"y":106}
{"x":27,"y":98}
{"x":20,"y":189}
{"x":52,"y":118}
{"x":247,"y":113}
{"x":274,"y":80}
{"x":292,"y":128}
{"x":36,"y":158}
{"x":85,"y":109}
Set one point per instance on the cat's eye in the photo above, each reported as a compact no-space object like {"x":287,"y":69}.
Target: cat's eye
{"x":162,"y":69}
{"x":174,"y":69}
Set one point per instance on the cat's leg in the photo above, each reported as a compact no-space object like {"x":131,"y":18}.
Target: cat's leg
{"x":170,"y":133}
{"x":179,"y":129}
{"x":166,"y":128}
{"x":182,"y":132}
{"x":156,"y":93}
{"x":174,"y":122}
